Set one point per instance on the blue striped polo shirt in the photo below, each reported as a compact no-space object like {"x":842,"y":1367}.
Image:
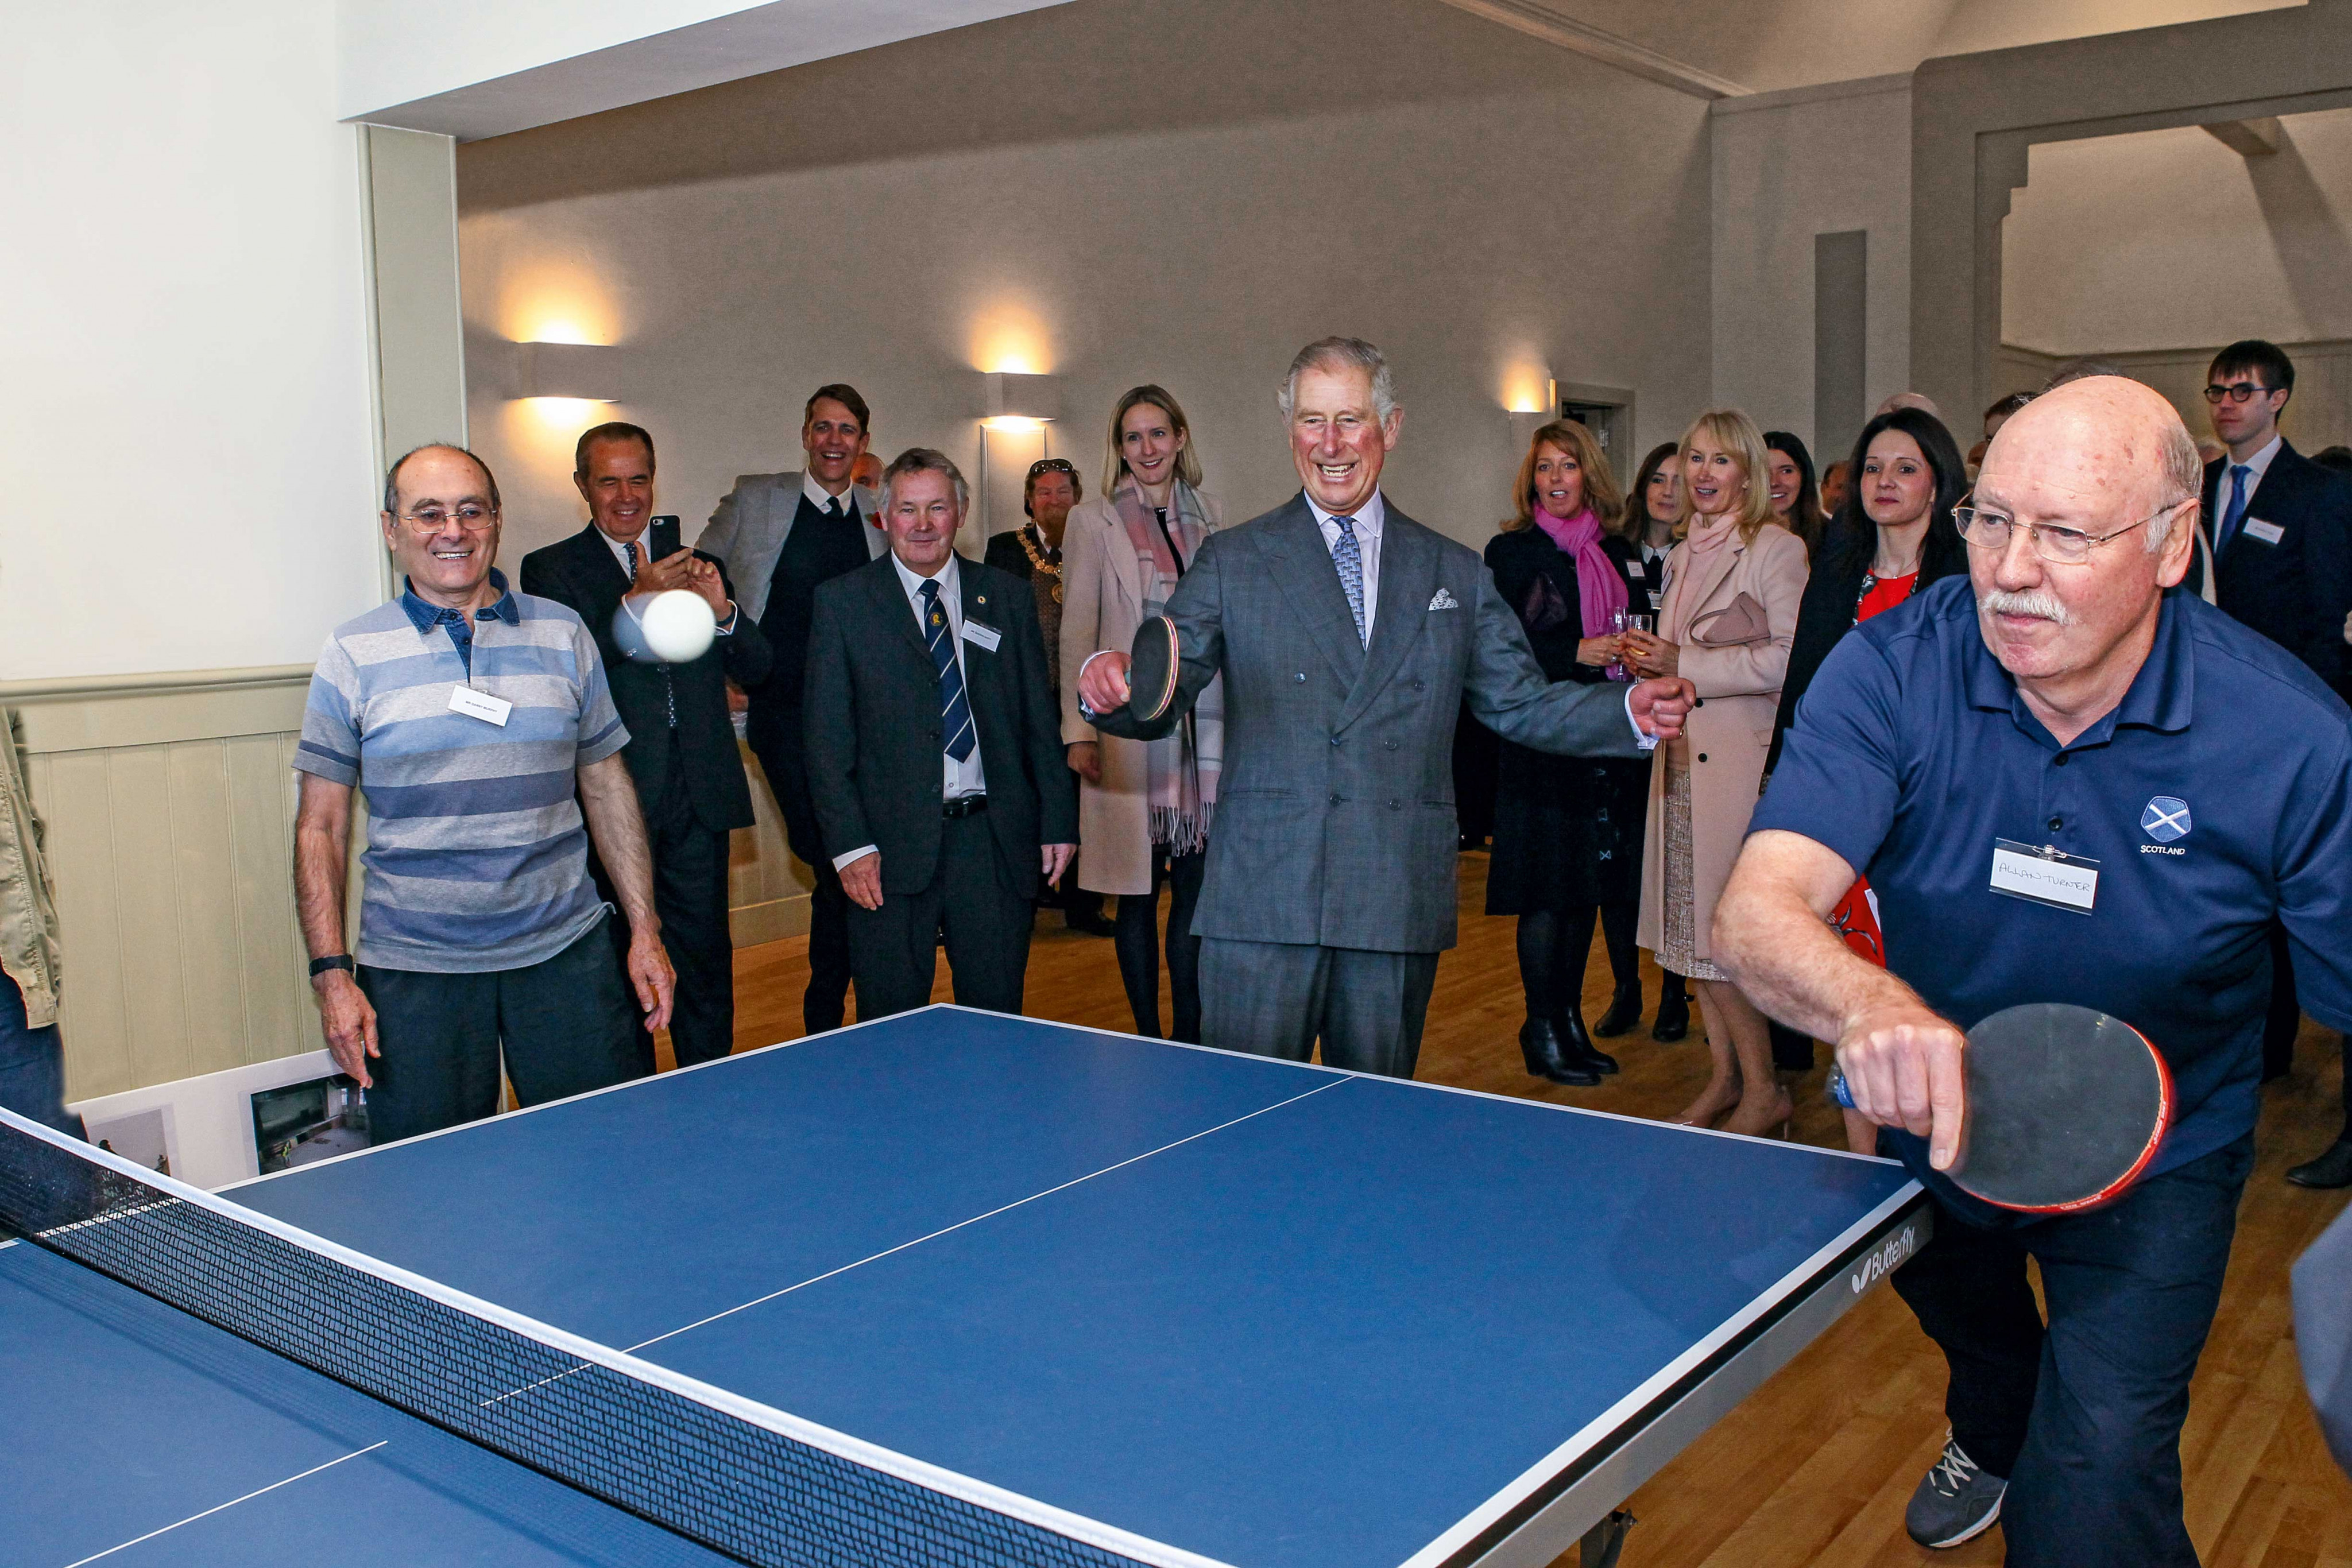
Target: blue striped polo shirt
{"x":476,"y":857}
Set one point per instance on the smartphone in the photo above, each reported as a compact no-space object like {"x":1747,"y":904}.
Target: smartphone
{"x":661,"y":539}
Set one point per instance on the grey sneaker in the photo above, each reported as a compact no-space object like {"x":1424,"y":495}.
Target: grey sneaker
{"x":1956,"y":1501}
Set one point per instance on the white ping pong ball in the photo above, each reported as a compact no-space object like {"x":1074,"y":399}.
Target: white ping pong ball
{"x":679,"y":626}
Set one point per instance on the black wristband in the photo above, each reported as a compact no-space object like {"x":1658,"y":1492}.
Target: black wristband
{"x":340,"y":961}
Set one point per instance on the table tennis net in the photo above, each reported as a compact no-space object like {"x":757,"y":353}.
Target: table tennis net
{"x":693,"y":1459}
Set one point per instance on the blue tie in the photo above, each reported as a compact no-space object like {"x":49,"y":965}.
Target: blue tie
{"x":2237,"y":512}
{"x":955,"y":713}
{"x":1349,"y":557}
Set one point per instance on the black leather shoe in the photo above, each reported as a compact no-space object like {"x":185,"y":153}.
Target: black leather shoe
{"x":1540,"y":1043}
{"x":1624,"y":1012}
{"x":2331,"y":1169}
{"x":1673,"y":1015}
{"x":1576,"y":1047}
{"x":1091,"y":925}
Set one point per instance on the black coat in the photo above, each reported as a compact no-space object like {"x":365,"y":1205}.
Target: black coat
{"x":872,"y":725}
{"x":583,"y":573}
{"x":1826,"y":612}
{"x":2296,"y":591}
{"x":1568,"y":829}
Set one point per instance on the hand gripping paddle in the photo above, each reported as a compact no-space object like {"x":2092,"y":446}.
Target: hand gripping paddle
{"x":2065,"y":1108}
{"x":1151,"y":671}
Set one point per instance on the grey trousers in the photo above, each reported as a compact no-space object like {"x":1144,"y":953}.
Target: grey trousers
{"x":1275,"y":998}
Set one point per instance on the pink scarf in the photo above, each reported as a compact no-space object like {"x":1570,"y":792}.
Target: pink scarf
{"x":1600,"y":586}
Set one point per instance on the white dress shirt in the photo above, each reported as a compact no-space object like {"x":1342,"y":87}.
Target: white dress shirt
{"x":1368,"y":522}
{"x":956,"y":778}
{"x":823,"y":499}
{"x":2261,"y":464}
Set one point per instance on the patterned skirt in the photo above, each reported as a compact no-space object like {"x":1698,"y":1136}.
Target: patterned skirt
{"x":1678,"y":946}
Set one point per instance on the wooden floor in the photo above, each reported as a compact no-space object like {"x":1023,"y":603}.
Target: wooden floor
{"x":1816,"y":1467}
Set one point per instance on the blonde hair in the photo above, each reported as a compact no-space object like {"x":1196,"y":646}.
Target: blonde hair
{"x":1601,"y":492}
{"x":1188,"y":460}
{"x":1731,"y":431}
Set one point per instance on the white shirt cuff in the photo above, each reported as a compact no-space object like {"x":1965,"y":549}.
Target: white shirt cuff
{"x":841,"y":862}
{"x":1646,"y":741}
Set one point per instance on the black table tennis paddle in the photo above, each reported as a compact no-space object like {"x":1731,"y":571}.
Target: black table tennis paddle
{"x":2065,"y":1108}
{"x":1152,"y":667}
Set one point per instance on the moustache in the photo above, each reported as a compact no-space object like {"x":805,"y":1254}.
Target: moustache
{"x":2039,"y":603}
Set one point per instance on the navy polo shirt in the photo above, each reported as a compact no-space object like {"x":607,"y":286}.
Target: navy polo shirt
{"x":2214,"y":799}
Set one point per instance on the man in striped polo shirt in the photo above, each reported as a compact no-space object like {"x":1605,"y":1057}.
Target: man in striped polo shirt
{"x":468,"y":714}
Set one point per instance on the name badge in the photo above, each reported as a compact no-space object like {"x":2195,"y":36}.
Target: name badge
{"x":2269,"y":533}
{"x":987,"y":637}
{"x":480,"y":704}
{"x":2044,"y":875}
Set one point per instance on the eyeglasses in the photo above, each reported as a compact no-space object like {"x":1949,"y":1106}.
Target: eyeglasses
{"x":1051,"y":466}
{"x":2059,"y":547}
{"x":473,"y":518}
{"x":2236,"y":392}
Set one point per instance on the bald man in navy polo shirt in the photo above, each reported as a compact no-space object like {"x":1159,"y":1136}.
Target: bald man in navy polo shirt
{"x":2059,"y":697}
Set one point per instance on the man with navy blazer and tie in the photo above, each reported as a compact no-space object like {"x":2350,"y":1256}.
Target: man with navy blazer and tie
{"x":1349,"y":636}
{"x":782,"y":535}
{"x":681,"y":755}
{"x":935,"y":755}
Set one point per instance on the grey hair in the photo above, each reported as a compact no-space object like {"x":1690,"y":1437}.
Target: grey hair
{"x":391,"y":475}
{"x":923,"y":460}
{"x":2183,"y":479}
{"x":1339,"y":354}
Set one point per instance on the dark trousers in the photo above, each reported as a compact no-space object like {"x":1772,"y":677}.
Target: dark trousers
{"x":2284,"y":1019}
{"x":1137,"y":939}
{"x":1555,"y":945}
{"x":32,"y":1065}
{"x":691,"y":898}
{"x":971,"y":903}
{"x":2084,"y":1417}
{"x":776,"y":742}
{"x":564,"y":1025}
{"x":1277,"y":998}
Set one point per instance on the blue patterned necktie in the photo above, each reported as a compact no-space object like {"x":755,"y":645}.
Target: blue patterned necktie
{"x":955,"y":713}
{"x":2239,"y":475}
{"x":1349,"y":557}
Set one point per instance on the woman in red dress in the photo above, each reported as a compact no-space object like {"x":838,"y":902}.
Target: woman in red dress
{"x":1893,"y":537}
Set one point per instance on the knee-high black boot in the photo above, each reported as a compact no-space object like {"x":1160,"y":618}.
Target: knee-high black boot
{"x":1617,"y":924}
{"x":1572,"y":947}
{"x":1540,"y":1039}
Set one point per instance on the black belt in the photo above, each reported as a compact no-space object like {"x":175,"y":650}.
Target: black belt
{"x":963,"y":806}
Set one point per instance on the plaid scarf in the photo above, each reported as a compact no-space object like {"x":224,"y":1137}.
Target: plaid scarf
{"x":1179,"y":770}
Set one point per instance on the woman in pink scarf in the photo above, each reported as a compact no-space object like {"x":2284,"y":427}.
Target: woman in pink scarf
{"x":1568,"y":829}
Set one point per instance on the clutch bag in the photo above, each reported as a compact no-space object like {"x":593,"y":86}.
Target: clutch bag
{"x":1740,"y":622}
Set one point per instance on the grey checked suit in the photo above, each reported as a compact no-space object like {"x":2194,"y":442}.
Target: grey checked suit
{"x":1330,"y":882}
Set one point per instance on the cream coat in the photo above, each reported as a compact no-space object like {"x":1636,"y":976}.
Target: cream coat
{"x":1102,"y":604}
{"x":1729,"y":736}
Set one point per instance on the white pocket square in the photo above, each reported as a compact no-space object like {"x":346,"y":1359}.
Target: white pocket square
{"x":1444,"y":600}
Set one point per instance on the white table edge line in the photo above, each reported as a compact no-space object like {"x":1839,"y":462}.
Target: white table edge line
{"x":220,"y":1507}
{"x":1541,"y":1472}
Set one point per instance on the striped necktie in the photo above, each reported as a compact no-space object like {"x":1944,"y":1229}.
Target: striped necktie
{"x":1349,"y":557}
{"x":669,"y":683}
{"x":955,"y":712}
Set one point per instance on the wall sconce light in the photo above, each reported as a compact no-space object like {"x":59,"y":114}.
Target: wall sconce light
{"x":586,"y":372}
{"x":1526,"y":414}
{"x":1019,"y":403}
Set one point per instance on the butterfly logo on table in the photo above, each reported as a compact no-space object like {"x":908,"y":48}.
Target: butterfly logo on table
{"x":2165,"y":819}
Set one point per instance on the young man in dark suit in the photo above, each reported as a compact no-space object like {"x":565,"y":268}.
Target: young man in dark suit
{"x":781,"y":535}
{"x":935,"y":755}
{"x":2280,"y":529}
{"x":681,"y":754}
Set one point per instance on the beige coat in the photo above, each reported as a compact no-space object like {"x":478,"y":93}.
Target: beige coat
{"x":1102,"y":604}
{"x":29,"y":952}
{"x":1729,"y":736}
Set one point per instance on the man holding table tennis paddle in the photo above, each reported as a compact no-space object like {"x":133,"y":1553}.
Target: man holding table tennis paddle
{"x":2067,"y":786}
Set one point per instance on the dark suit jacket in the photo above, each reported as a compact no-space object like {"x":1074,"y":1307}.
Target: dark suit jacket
{"x":2297,"y":591}
{"x":872,"y":725}
{"x":581,"y":572}
{"x":1335,"y":811}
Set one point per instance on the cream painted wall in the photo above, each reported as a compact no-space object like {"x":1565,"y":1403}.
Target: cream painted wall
{"x":188,"y":382}
{"x":1787,"y":168}
{"x":1483,"y":210}
{"x":2167,"y":239}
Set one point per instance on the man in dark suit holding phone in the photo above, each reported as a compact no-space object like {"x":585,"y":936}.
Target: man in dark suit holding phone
{"x":935,"y":755}
{"x":2278,"y":528}
{"x":682,"y":753}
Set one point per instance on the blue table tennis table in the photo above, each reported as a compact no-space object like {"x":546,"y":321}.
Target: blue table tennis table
{"x":1095,"y":1299}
